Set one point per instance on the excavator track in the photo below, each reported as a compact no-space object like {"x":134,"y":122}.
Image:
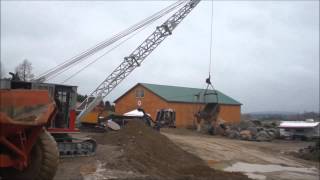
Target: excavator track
{"x":75,"y":147}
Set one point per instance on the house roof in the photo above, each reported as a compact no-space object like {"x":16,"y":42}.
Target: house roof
{"x":187,"y":95}
{"x":298,"y":124}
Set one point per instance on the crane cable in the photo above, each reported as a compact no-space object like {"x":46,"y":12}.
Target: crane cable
{"x":208,"y":80}
{"x":211,"y":38}
{"x":117,"y":36}
{"x":74,"y":60}
{"x":74,"y":74}
{"x":113,"y":48}
{"x":108,"y":42}
{"x":96,"y":59}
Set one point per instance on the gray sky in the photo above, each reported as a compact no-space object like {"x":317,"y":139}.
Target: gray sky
{"x":265,"y":54}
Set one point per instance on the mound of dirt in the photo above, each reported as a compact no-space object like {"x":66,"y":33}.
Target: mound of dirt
{"x":148,"y":152}
{"x":311,"y":153}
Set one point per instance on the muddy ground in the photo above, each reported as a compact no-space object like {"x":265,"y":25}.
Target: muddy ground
{"x":126,"y":156}
{"x":259,"y":160}
{"x":139,"y":152}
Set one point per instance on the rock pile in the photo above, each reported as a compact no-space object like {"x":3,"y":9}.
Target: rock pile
{"x":248,"y":130}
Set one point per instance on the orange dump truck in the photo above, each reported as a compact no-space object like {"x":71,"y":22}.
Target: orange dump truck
{"x":27,"y":150}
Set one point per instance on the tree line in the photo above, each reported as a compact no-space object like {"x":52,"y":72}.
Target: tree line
{"x":22,"y":72}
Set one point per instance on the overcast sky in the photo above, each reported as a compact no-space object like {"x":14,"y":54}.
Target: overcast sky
{"x":265,"y":53}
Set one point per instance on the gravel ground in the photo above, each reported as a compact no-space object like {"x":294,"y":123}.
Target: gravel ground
{"x":222,"y":153}
{"x":139,"y":152}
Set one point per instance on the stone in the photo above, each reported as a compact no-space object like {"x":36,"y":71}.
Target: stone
{"x":262,"y":136}
{"x":246,"y":135}
{"x":234,"y":134}
{"x":253,"y":130}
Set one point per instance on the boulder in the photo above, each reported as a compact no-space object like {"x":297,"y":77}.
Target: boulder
{"x":253,"y":130}
{"x":263,"y":136}
{"x":271,"y":134}
{"x":244,"y":124}
{"x":246,"y":135}
{"x":219,"y":131}
{"x":260,"y":129}
{"x":257,"y":123}
{"x":274,"y":132}
{"x":234,"y":134}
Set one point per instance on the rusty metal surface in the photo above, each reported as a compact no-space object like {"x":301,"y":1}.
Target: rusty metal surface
{"x":26,"y":107}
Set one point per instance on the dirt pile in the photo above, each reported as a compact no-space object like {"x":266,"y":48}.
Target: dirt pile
{"x":148,"y":152}
{"x":309,"y":153}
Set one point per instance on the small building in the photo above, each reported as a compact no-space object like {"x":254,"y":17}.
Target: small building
{"x":186,"y":102}
{"x":299,"y":129}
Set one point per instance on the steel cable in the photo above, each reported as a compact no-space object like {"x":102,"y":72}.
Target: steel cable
{"x":113,"y":48}
{"x":110,"y":41}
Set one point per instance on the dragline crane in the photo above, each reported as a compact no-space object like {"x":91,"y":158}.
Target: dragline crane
{"x":60,"y":100}
{"x":135,"y":59}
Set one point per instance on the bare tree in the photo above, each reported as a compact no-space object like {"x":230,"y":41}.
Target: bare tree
{"x":24,"y":70}
{"x":2,"y":72}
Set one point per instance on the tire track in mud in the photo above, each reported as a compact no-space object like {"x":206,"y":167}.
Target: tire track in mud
{"x":241,"y":151}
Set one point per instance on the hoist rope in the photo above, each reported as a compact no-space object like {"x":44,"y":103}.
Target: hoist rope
{"x":211,"y":38}
{"x":95,"y":60}
{"x":108,"y":42}
{"x":208,"y":80}
{"x":76,"y":59}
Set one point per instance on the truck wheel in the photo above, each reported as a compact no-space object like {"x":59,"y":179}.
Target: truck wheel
{"x":50,"y":156}
{"x":43,"y":163}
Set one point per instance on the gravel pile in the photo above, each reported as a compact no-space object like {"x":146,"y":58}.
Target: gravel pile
{"x":148,"y":152}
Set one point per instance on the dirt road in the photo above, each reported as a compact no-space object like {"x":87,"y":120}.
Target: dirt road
{"x":258,"y":160}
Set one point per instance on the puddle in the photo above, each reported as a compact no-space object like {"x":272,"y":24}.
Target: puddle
{"x":97,"y":175}
{"x":264,"y":168}
{"x":254,"y":170}
{"x":98,"y":171}
{"x":256,"y":176}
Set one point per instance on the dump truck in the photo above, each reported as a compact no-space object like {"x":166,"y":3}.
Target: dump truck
{"x":27,"y":150}
{"x":63,"y":125}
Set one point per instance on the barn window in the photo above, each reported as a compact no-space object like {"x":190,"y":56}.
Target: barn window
{"x":139,"y":93}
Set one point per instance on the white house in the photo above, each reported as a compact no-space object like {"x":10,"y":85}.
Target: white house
{"x":300,"y":129}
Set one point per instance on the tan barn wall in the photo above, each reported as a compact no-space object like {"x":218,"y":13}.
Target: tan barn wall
{"x":184,"y":111}
{"x":150,"y":102}
{"x":230,"y":113}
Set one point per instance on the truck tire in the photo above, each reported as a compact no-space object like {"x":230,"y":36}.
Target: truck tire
{"x":43,"y":163}
{"x":50,"y":156}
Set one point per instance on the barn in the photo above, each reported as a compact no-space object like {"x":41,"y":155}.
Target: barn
{"x":184,"y":100}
